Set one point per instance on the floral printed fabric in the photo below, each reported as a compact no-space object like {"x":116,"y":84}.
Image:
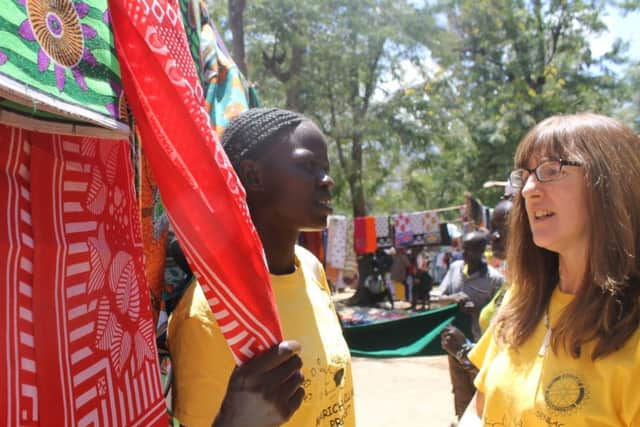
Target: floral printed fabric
{"x":203,"y":196}
{"x":225,"y":92}
{"x":78,"y":325}
{"x":60,"y":53}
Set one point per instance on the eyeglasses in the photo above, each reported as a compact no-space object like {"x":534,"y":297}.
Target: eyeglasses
{"x":545,"y":172}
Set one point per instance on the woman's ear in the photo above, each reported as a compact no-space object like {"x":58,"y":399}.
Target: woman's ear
{"x":251,"y":175}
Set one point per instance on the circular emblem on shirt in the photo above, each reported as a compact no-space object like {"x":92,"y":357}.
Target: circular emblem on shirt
{"x":565,"y":393}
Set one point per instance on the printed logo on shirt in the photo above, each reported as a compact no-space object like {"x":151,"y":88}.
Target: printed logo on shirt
{"x":565,"y":393}
{"x":335,"y":414}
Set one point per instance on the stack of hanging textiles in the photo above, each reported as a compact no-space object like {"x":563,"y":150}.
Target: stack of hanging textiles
{"x":79,"y":324}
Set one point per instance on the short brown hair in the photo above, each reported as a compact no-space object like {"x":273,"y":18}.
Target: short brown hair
{"x":606,"y":308}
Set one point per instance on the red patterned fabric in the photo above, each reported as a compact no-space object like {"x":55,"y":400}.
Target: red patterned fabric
{"x":78,"y":332}
{"x":202,"y":195}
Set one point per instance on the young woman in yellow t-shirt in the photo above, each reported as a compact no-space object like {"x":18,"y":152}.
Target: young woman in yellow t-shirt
{"x":281,"y":159}
{"x":564,"y":348}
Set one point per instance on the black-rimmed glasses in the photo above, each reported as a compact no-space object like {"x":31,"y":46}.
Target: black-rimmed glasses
{"x":549,"y":170}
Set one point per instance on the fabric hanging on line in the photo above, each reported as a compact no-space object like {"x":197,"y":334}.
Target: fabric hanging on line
{"x":433,"y":235}
{"x":383,"y":232}
{"x":417,"y":228}
{"x":314,"y":242}
{"x":359,"y":235}
{"x":202,"y":195}
{"x":79,"y":325}
{"x":371,"y":239}
{"x":403,"y":233}
{"x":350,"y":271}
{"x":336,"y":241}
{"x":364,"y":235}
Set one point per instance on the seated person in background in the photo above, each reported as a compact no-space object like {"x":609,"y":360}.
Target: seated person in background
{"x":472,"y":283}
{"x":281,"y":160}
{"x":422,"y":285}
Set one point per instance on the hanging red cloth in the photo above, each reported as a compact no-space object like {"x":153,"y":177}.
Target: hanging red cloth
{"x":203,"y":196}
{"x":371,"y":237}
{"x":78,"y":325}
{"x":364,"y":235}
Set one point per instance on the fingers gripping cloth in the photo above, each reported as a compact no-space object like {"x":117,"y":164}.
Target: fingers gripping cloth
{"x":203,"y":197}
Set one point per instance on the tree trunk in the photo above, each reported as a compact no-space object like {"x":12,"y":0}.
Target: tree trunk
{"x":355,"y":177}
{"x":236,"y":24}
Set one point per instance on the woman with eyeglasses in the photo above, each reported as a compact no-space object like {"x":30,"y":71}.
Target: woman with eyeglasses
{"x":564,"y":349}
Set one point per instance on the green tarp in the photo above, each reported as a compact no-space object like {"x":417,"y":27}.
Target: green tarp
{"x":418,"y":335}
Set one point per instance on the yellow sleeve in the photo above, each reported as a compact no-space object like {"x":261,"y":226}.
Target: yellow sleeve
{"x":482,"y":355}
{"x":630,"y":396}
{"x":201,"y":360}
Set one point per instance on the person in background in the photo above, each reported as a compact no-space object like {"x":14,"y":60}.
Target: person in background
{"x":564,"y":348}
{"x":281,"y":159}
{"x":452,"y":339}
{"x":472,"y":283}
{"x":399,"y":268}
{"x":422,"y":285}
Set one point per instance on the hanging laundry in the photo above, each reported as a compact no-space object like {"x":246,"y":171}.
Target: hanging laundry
{"x":383,"y":232}
{"x":336,"y":241}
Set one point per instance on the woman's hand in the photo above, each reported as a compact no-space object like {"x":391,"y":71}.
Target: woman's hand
{"x":264,"y":392}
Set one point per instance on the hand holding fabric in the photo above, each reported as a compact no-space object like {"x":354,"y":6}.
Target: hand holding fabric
{"x":266,"y":391}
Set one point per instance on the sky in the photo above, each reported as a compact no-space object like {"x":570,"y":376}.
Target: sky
{"x":626,"y":28}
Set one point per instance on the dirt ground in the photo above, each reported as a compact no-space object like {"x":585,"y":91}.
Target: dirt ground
{"x":404,"y":392}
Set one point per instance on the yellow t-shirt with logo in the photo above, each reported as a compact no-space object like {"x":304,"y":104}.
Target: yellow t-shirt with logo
{"x":524,"y":388}
{"x":202,"y":361}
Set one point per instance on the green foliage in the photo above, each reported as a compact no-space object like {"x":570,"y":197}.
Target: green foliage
{"x":498,"y":67}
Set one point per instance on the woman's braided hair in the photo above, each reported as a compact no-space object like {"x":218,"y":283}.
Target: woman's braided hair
{"x":255,"y":129}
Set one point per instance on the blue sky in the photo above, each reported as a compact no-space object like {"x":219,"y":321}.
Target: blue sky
{"x":626,"y":28}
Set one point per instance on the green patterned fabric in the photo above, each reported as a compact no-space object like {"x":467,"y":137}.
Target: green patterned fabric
{"x":227,"y":92}
{"x":57,"y":56}
{"x":193,"y":13}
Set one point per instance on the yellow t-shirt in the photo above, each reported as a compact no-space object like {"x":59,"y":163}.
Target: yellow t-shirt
{"x":203,"y":363}
{"x":489,"y":311}
{"x":523,"y":388}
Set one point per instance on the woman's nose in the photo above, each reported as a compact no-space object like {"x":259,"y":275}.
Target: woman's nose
{"x":531,"y":186}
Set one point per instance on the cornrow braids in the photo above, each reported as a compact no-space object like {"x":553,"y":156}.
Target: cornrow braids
{"x":254,"y":129}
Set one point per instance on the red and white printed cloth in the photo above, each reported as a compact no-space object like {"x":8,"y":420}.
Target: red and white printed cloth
{"x":200,"y":190}
{"x":77,"y":327}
